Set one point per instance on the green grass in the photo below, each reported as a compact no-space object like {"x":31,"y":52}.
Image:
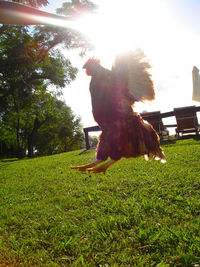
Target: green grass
{"x":138,"y":214}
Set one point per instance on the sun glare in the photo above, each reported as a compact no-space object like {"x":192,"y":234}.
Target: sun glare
{"x":122,"y":26}
{"x":119,"y":27}
{"x":172,"y":49}
{"x":147,"y":25}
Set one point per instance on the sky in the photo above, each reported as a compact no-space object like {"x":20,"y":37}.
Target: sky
{"x":168,"y":32}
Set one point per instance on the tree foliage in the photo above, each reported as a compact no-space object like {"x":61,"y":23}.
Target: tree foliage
{"x":75,"y":8}
{"x":61,"y":133}
{"x":33,"y":3}
{"x":26,"y":64}
{"x":25,"y":103}
{"x":31,"y":118}
{"x":27,"y":69}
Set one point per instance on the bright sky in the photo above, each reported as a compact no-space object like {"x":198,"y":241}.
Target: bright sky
{"x":168,"y":32}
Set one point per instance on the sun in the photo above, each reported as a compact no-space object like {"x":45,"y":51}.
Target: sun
{"x":123,"y":26}
{"x":147,"y":25}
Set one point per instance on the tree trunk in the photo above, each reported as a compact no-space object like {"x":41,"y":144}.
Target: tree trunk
{"x":30,"y":147}
{"x":20,"y":151}
{"x":32,"y":137}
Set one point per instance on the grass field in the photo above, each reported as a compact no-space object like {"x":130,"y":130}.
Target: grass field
{"x":138,"y":214}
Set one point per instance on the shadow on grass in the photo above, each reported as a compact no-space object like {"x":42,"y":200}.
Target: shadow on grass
{"x":9,"y":160}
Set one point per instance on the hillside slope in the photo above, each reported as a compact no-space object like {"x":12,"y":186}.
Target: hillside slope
{"x":138,"y":214}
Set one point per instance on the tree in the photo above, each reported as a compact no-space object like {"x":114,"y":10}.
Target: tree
{"x":93,"y":141}
{"x":33,"y":3}
{"x":24,"y":80}
{"x":30,"y":61}
{"x":63,"y":132}
{"x":75,"y":8}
